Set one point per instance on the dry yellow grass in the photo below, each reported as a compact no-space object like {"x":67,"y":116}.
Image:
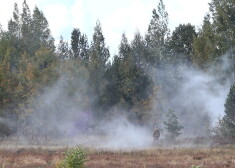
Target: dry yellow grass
{"x":150,"y":158}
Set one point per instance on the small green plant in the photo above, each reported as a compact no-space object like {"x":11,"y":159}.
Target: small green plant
{"x":193,"y":166}
{"x":172,"y":126}
{"x":75,"y":158}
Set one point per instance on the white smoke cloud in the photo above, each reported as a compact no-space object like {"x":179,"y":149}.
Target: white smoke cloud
{"x":199,"y":99}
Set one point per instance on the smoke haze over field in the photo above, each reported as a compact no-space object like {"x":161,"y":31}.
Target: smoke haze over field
{"x":198,"y":102}
{"x":77,"y":93}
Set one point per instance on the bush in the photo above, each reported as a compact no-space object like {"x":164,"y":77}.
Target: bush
{"x":75,"y":158}
{"x":194,"y":166}
{"x":172,"y":126}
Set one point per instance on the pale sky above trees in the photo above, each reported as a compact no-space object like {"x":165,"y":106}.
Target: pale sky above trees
{"x":116,"y":16}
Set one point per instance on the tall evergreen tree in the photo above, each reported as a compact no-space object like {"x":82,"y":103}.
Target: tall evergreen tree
{"x":223,"y":14}
{"x":140,"y":52}
{"x":26,"y":25}
{"x":126,"y":70}
{"x":63,"y":50}
{"x":79,"y":46}
{"x":99,"y":52}
{"x":14,"y":25}
{"x":158,"y":34}
{"x":204,"y":46}
{"x":75,"y":38}
{"x":181,"y":43}
{"x":124,"y":48}
{"x":41,"y":35}
{"x":99,"y":55}
{"x":84,"y":49}
{"x":229,"y":118}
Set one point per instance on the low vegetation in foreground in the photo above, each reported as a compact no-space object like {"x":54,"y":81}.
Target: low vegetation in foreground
{"x":149,"y":158}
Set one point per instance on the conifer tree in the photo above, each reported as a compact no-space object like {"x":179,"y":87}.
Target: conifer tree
{"x":158,"y":34}
{"x":84,"y":49}
{"x":41,"y":35}
{"x":26,"y":25}
{"x":229,"y":118}
{"x":204,"y":45}
{"x":14,"y":26}
{"x":181,"y":43}
{"x":98,"y":55}
{"x":79,"y":46}
{"x":172,"y":126}
{"x":63,"y":50}
{"x":75,"y":38}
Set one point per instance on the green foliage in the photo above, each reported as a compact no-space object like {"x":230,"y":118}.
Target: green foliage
{"x":75,"y":37}
{"x":181,"y":42}
{"x":172,"y":126}
{"x":158,"y":35}
{"x":223,"y":14}
{"x":225,"y":127}
{"x":79,"y":45}
{"x":194,"y":166}
{"x":29,"y":63}
{"x":229,"y":118}
{"x":75,"y":158}
{"x":204,"y":46}
{"x":63,"y":51}
{"x":221,"y":129}
{"x":99,"y":55}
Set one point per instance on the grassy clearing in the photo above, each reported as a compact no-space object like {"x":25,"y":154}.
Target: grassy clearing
{"x":151,"y":158}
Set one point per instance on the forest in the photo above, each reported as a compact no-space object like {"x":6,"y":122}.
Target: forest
{"x":164,"y":78}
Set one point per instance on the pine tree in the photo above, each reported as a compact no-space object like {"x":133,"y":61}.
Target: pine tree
{"x":229,"y":118}
{"x":14,"y":26}
{"x":204,"y":45}
{"x":79,"y":46}
{"x":181,"y":43}
{"x":75,"y":38}
{"x":26,"y":25}
{"x":140,"y":52}
{"x":84,"y":49}
{"x":223,"y":15}
{"x":41,"y":35}
{"x":124,"y":48}
{"x":126,"y":71}
{"x":98,"y":55}
{"x":158,"y":34}
{"x":99,"y":52}
{"x":63,"y":50}
{"x":172,"y":126}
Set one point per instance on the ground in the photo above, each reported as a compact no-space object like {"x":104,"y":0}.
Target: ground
{"x":48,"y":157}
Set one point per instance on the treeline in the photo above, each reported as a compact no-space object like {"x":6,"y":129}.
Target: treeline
{"x":132,"y":84}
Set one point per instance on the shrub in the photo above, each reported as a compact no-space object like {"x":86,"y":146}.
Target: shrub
{"x":75,"y":158}
{"x":193,"y":166}
{"x":172,"y":126}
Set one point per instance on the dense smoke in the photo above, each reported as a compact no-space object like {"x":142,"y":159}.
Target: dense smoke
{"x":198,"y":100}
{"x":197,"y":97}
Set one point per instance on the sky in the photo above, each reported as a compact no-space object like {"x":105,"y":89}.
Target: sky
{"x":116,"y":16}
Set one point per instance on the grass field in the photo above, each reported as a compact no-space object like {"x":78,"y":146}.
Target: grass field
{"x":44,"y":157}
